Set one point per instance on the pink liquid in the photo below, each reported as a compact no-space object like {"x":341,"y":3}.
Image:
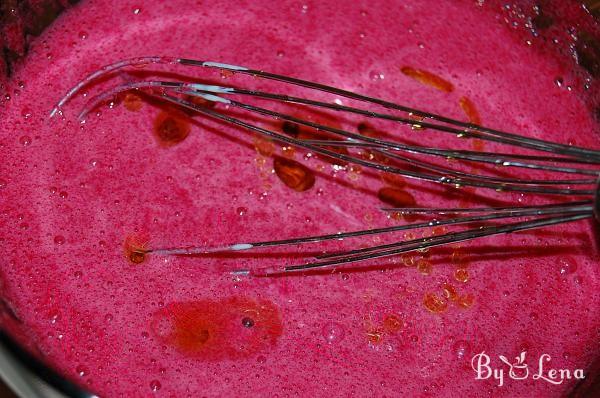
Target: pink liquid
{"x":73,"y":194}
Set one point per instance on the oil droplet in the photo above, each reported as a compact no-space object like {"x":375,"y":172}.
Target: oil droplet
{"x":291,"y":129}
{"x":567,"y":265}
{"x":25,"y":140}
{"x":264,"y":146}
{"x":137,"y":257}
{"x":132,"y":102}
{"x":171,"y":128}
{"x":461,"y":275}
{"x":428,"y":79}
{"x":218,"y":329}
{"x":449,"y":291}
{"x":396,"y":197}
{"x":407,"y":260}
{"x":392,"y":323}
{"x":333,"y":332}
{"x":434,"y":304}
{"x":260,"y":162}
{"x":466,"y":301}
{"x":241,"y":210}
{"x":293,"y":174}
{"x":2,"y":183}
{"x":155,"y":385}
{"x":288,"y":151}
{"x":436,"y":231}
{"x":135,"y":248}
{"x":424,"y":267}
{"x":59,"y":239}
{"x":226,"y":73}
{"x":198,"y":101}
{"x":394,"y":180}
{"x":458,"y":258}
{"x":375,"y":336}
{"x":470,"y":110}
{"x":365,"y":128}
{"x":417,"y":125}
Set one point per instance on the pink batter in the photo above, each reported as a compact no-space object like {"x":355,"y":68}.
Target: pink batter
{"x":179,"y":326}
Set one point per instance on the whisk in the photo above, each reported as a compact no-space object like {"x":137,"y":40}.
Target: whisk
{"x":571,"y":171}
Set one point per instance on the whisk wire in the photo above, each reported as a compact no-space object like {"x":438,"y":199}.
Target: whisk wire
{"x":537,"y":216}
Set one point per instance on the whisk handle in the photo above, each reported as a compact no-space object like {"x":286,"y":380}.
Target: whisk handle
{"x":597,"y":202}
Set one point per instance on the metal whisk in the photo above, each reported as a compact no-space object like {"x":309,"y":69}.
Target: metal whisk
{"x":555,"y":159}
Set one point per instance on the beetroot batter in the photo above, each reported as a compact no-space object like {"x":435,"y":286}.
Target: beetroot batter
{"x":73,"y":196}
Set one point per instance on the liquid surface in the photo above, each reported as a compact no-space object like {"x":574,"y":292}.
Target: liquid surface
{"x":81,"y":202}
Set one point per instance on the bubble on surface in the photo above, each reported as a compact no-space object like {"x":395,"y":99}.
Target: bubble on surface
{"x":25,"y":140}
{"x":155,"y":385}
{"x":333,"y":332}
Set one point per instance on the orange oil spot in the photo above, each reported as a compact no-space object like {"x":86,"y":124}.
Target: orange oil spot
{"x":132,"y":102}
{"x":465,"y":301}
{"x":288,"y":151}
{"x":170,"y":128}
{"x":375,"y":336}
{"x":459,"y":258}
{"x":396,"y":197}
{"x":407,"y":260}
{"x":225,"y":73}
{"x":392,"y":323}
{"x":439,"y":230}
{"x":449,"y":292}
{"x":478,"y":145}
{"x":366,"y":129}
{"x":424,"y":267}
{"x":135,"y":249}
{"x":435,"y":304}
{"x":461,"y":275}
{"x":470,"y":110}
{"x":199,"y":101}
{"x":263,"y":146}
{"x":213,"y":330}
{"x":417,"y":122}
{"x":293,"y":174}
{"x":291,"y":129}
{"x":394,"y":180}
{"x":428,"y":79}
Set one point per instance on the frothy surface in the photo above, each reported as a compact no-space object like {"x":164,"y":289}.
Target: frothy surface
{"x":75,"y":193}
